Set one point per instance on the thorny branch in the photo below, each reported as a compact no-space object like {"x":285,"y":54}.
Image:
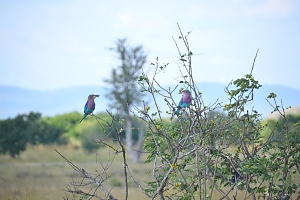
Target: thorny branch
{"x":86,"y":175}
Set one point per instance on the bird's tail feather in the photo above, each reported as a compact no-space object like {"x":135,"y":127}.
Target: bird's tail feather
{"x":82,"y":118}
{"x":178,"y":110}
{"x":175,"y":112}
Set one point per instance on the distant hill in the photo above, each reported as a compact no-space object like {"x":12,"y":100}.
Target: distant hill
{"x":16,"y":100}
{"x":291,"y":111}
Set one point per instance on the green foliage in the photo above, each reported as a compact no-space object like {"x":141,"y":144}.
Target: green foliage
{"x":91,"y":128}
{"x":278,"y":128}
{"x":13,"y":138}
{"x":87,"y":142}
{"x":18,"y":132}
{"x":40,"y":131}
{"x":89,"y":125}
{"x":64,"y":122}
{"x":33,"y":129}
{"x":136,"y":125}
{"x":27,"y":128}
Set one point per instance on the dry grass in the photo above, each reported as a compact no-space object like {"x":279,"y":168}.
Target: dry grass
{"x":40,"y":173}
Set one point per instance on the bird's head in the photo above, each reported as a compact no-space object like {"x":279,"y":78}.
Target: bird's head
{"x":185,"y":91}
{"x":93,"y":96}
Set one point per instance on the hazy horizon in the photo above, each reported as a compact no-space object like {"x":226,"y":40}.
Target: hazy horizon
{"x":60,"y":101}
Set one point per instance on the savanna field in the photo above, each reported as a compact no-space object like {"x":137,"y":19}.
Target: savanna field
{"x":39,"y":173}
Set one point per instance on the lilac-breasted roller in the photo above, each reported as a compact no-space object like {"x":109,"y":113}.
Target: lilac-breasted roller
{"x":185,"y":101}
{"x":89,"y":106}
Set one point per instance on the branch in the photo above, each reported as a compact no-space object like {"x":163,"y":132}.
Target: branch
{"x":89,"y":176}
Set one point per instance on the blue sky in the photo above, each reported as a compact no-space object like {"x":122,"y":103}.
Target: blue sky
{"x":46,"y":45}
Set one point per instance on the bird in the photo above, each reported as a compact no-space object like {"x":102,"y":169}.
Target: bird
{"x":185,"y":101}
{"x":89,"y":106}
{"x":236,"y":176}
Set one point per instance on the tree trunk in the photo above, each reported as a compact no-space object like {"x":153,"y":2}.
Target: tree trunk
{"x":140,"y":144}
{"x":128,"y":135}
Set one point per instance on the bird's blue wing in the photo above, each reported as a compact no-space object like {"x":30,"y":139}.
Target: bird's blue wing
{"x":180,"y":102}
{"x":85,"y":107}
{"x":179,"y":106}
{"x":88,"y":109}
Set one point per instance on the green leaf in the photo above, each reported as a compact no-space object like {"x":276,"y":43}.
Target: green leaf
{"x":272,"y":96}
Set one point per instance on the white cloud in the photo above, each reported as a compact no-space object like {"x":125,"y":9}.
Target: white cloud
{"x":271,"y":8}
{"x":211,"y":12}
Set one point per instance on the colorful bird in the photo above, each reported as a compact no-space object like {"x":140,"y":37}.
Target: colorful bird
{"x":89,"y":105}
{"x":185,"y":101}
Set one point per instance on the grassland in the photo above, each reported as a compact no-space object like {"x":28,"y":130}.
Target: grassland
{"x":40,"y":173}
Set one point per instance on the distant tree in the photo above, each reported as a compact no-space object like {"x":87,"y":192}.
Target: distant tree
{"x":74,"y":132}
{"x":64,"y":122}
{"x":40,"y":131}
{"x":87,"y":143}
{"x":279,"y":127}
{"x":125,"y":91}
{"x":14,"y":133}
{"x":25,"y":129}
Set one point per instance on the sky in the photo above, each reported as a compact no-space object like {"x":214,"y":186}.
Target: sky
{"x":48,"y":45}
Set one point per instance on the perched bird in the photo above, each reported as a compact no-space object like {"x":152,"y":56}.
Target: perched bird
{"x":236,"y":176}
{"x":89,"y":105}
{"x":185,"y":101}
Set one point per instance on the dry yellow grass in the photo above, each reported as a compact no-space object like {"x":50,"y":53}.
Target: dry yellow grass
{"x":40,"y":173}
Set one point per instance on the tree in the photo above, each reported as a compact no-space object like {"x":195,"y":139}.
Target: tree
{"x":124,"y":91}
{"x":41,"y":132}
{"x":25,"y":129}
{"x":14,"y":133}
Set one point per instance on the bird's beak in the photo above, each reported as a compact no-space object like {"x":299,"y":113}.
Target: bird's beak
{"x":96,"y":95}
